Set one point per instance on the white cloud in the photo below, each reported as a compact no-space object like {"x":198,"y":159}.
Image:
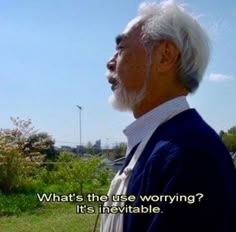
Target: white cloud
{"x":217,"y":77}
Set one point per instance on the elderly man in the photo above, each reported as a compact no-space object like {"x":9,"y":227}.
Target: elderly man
{"x":173,"y":154}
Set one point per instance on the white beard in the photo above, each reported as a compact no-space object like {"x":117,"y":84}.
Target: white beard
{"x":123,"y":100}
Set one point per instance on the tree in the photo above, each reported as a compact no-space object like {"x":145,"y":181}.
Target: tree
{"x":21,"y":151}
{"x":19,"y":137}
{"x":77,"y":171}
{"x":14,"y":168}
{"x":229,"y":138}
{"x":232,"y":130}
{"x":41,"y":143}
{"x":89,"y":149}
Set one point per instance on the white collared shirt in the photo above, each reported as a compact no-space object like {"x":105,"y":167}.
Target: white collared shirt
{"x":137,"y":130}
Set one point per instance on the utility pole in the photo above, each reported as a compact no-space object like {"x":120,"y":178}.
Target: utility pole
{"x":80,"y":128}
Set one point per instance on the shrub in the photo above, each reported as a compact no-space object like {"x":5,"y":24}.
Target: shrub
{"x":17,"y":161}
{"x":18,"y":203}
{"x":104,"y":176}
{"x":14,"y":170}
{"x":78,"y":174}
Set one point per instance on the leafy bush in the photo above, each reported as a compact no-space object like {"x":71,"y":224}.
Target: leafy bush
{"x":17,"y":160}
{"x":104,"y":176}
{"x":18,"y":203}
{"x":14,"y":170}
{"x":32,"y":186}
{"x":70,"y":174}
{"x":76,"y":174}
{"x":229,"y":138}
{"x":76,"y":171}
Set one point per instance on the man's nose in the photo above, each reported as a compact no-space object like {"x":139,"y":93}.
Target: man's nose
{"x":111,"y":65}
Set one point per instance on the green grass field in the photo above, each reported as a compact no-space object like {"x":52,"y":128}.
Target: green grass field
{"x":52,"y":217}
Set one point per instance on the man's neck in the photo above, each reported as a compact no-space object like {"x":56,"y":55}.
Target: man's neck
{"x":147,"y":104}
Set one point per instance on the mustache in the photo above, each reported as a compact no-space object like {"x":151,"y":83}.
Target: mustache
{"x":112,"y":78}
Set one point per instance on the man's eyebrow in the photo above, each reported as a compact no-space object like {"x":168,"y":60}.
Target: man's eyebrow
{"x":119,"y":38}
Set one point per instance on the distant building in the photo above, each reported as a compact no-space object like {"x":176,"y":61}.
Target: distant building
{"x":70,"y":149}
{"x":97,"y":144}
{"x":66,"y":148}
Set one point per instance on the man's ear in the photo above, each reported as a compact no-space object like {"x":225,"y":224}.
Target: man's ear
{"x":168,"y":55}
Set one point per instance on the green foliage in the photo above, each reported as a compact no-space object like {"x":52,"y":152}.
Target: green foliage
{"x":42,"y":143}
{"x":22,"y":170}
{"x":32,"y":186}
{"x":51,"y":217}
{"x":104,"y":176}
{"x":71,"y":174}
{"x":14,"y":170}
{"x":230,"y":142}
{"x":66,"y":156}
{"x":76,"y":174}
{"x":17,"y":203}
{"x":229,"y":139}
{"x":46,"y":176}
{"x":76,"y":171}
{"x":64,"y":188}
{"x":22,"y":151}
{"x":232,"y":130}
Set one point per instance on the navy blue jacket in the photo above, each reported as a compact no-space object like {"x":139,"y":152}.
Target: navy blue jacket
{"x":184,"y":157}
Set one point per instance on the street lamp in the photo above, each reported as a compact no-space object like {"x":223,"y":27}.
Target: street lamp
{"x":80,"y":129}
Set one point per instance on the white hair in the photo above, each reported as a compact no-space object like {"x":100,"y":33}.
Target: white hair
{"x":169,"y":20}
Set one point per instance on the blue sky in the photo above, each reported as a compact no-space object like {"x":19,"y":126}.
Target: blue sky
{"x":53,"y":55}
